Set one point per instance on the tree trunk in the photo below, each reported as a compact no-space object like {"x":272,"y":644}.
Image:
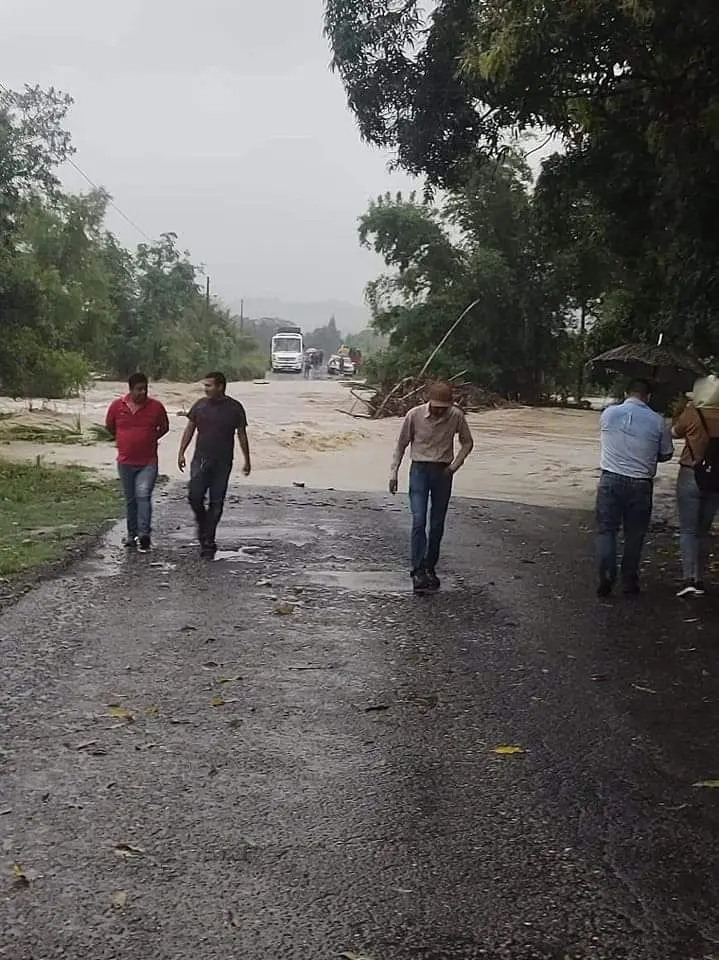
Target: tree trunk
{"x":580,"y":371}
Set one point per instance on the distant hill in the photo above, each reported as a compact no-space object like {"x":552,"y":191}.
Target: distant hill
{"x":350,"y":318}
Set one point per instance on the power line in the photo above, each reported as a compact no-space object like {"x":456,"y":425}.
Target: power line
{"x":94,"y":185}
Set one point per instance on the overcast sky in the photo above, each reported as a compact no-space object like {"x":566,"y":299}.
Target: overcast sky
{"x":219,"y":120}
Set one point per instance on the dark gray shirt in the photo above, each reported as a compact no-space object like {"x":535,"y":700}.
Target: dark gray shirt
{"x":216,"y":422}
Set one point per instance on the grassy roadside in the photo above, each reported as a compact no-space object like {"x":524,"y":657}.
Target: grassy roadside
{"x":45,"y":510}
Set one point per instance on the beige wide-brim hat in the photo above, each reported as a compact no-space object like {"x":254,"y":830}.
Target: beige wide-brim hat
{"x":705,"y":392}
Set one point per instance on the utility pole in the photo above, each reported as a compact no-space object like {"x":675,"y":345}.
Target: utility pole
{"x":242,"y":315}
{"x":207,"y":296}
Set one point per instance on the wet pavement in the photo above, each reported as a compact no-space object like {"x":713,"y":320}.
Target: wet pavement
{"x":282,"y":753}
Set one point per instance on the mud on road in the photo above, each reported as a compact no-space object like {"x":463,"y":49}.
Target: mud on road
{"x":283,"y":753}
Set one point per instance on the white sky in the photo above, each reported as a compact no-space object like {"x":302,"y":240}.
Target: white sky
{"x":219,"y":120}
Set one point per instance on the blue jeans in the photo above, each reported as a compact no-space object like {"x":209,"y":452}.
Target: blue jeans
{"x":697,"y":511}
{"x":208,"y":478}
{"x":137,"y":485}
{"x":627,"y":503}
{"x":430,"y":485}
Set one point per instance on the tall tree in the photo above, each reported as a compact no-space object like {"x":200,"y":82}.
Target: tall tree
{"x":477,"y":245}
{"x":632,"y":88}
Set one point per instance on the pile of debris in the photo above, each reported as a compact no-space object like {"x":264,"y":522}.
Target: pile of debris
{"x":398,"y":400}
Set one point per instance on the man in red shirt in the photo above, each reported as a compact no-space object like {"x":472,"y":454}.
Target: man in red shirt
{"x":137,"y":422}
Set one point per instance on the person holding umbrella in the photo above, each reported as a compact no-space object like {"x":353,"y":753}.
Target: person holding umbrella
{"x":634,"y":439}
{"x":698,"y":482}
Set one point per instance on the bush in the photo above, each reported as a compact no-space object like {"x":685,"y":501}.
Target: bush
{"x":250,"y":367}
{"x":57,"y":374}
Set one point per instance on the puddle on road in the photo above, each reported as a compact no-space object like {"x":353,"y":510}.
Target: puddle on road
{"x":241,"y":555}
{"x":105,"y":561}
{"x":263,"y":534}
{"x":384,"y":582}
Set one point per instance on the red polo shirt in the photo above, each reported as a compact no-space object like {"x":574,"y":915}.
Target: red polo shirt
{"x":137,"y":433}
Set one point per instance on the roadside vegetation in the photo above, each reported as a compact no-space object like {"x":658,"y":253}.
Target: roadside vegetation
{"x":74,"y":302}
{"x":46,"y":510}
{"x":612,"y":240}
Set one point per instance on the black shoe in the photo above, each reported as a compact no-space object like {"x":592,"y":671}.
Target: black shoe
{"x":700,"y":588}
{"x":130,"y":542}
{"x":208,"y":550}
{"x":630,"y":587}
{"x":143,"y":543}
{"x":605,"y":587}
{"x":420,"y":583}
{"x":433,"y":581}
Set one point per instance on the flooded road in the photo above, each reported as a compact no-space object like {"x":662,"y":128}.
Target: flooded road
{"x":282,"y":753}
{"x":299,"y":435}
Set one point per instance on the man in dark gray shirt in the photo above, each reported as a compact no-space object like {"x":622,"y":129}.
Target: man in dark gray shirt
{"x":216,"y":418}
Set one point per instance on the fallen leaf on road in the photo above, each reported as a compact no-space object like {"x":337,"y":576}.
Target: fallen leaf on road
{"x":152,"y":712}
{"x":355,"y":956}
{"x":710,"y":784}
{"x":508,"y":750}
{"x":284,"y":610}
{"x":228,"y":679}
{"x":188,"y":629}
{"x":86,"y":745}
{"x":127,"y":851}
{"x":119,"y":713}
{"x":119,"y":899}
{"x":642,"y":689}
{"x":217,"y":702}
{"x":19,"y":875}
{"x":376,"y":708}
{"x":210,"y":664}
{"x":145,"y":746}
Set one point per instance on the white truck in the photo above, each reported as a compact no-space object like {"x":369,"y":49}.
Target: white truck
{"x":287,"y":351}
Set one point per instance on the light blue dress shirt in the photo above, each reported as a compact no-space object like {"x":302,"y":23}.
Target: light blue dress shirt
{"x":633,"y":439}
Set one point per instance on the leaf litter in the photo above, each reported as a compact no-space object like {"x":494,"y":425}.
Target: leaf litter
{"x":118,"y":712}
{"x":128,"y":852}
{"x":506,"y":751}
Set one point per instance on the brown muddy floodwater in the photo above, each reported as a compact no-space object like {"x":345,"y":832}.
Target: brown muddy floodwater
{"x":299,"y":435}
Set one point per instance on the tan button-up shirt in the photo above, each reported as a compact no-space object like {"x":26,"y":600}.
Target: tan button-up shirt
{"x":432,"y":438}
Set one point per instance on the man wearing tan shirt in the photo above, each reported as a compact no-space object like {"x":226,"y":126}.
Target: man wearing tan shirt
{"x":430,"y":429}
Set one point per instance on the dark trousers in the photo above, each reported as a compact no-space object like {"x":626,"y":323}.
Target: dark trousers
{"x":208,"y":478}
{"x":430,"y":486}
{"x":626,"y":503}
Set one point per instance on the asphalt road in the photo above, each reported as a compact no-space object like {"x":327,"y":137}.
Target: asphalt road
{"x":344,"y":797}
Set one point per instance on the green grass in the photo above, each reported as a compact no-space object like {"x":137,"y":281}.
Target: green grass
{"x":43,"y":510}
{"x":39,"y":434}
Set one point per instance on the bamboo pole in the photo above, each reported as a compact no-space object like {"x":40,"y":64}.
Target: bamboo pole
{"x":431,"y":357}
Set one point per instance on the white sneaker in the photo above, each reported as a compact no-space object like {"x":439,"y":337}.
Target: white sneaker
{"x":689,"y":589}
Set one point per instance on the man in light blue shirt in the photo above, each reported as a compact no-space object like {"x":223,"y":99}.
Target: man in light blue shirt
{"x":633,"y":440}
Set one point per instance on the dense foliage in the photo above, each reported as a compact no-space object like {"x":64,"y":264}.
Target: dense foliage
{"x":626,"y":211}
{"x":478,"y":244}
{"x":73,"y":300}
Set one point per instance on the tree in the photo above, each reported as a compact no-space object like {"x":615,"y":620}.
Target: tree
{"x":327,"y":338}
{"x":477,"y":245}
{"x":632,"y":88}
{"x":72,"y":299}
